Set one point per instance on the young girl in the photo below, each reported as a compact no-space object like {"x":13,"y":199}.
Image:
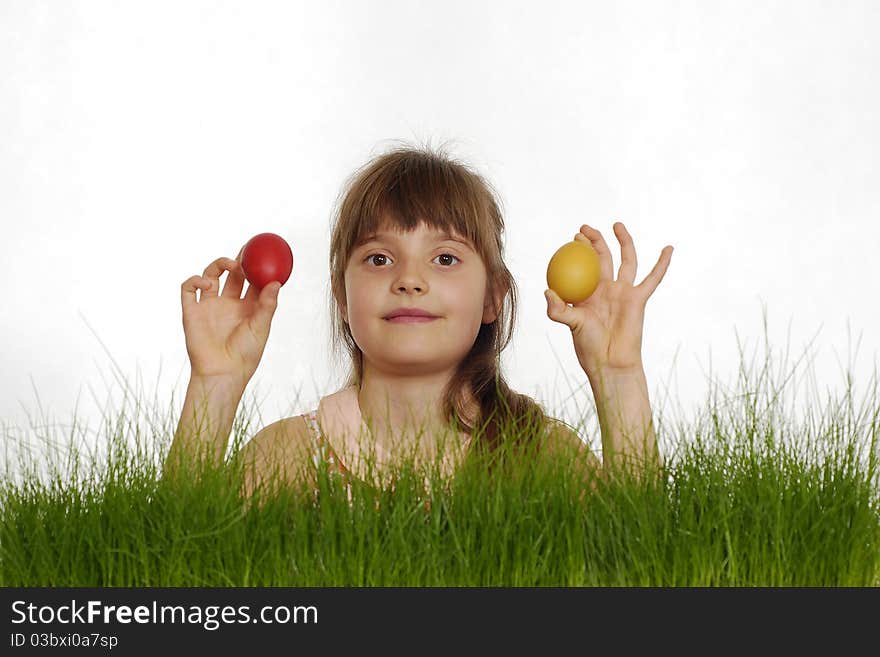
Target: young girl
{"x":423,"y":305}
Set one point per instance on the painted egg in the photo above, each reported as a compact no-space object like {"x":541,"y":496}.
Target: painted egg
{"x":573,"y":271}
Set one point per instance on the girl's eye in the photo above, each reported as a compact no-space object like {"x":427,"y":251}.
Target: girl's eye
{"x":442,"y":255}
{"x":448,"y":255}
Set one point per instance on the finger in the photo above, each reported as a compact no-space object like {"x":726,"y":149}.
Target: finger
{"x":253,"y":293}
{"x":188,"y":290}
{"x":267,"y":303}
{"x":235,"y":281}
{"x":653,"y":279}
{"x":606,"y":264}
{"x":628,"y":261}
{"x":213,"y":272}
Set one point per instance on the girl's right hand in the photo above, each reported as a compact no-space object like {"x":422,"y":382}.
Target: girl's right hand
{"x":225,"y":334}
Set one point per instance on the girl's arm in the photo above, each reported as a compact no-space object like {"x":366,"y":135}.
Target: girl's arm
{"x":606,"y":329}
{"x":625,"y":420}
{"x":205,"y":422}
{"x":225,"y":338}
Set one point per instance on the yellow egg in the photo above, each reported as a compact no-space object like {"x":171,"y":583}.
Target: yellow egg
{"x":573,"y":271}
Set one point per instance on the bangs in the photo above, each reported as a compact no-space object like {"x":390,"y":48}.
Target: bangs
{"x":401,"y":192}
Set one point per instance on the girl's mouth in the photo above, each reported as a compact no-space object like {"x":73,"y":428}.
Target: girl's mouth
{"x":410,"y":319}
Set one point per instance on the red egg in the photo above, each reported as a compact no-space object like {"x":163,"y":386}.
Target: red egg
{"x":265,"y":258}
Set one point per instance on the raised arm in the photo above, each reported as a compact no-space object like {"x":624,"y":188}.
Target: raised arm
{"x":225,"y":339}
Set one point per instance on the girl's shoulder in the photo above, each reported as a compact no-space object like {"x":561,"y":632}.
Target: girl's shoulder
{"x":561,"y":429}
{"x":332,"y":428}
{"x":279,"y":452}
{"x":329,"y":422}
{"x":562,"y":436}
{"x":284,"y":433}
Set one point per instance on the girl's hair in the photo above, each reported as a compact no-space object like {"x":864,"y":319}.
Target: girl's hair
{"x":407,"y":186}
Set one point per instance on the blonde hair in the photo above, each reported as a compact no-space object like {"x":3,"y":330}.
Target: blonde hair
{"x":407,"y":186}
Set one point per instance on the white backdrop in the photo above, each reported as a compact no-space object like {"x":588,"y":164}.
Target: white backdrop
{"x":140,"y":141}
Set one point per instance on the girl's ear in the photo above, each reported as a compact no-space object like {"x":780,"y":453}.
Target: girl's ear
{"x":490,"y":311}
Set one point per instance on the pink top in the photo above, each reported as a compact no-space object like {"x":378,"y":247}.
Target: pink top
{"x":322,"y":449}
{"x":339,"y":416}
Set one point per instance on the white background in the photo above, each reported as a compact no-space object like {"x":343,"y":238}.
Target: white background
{"x":140,"y":141}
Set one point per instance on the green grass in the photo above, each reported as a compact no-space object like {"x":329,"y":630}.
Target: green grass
{"x":747,"y":497}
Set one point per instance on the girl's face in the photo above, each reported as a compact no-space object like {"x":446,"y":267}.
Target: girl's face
{"x":424,"y":269}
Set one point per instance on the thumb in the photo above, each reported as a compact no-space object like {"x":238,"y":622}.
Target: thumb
{"x":557,"y":309}
{"x":268,"y":300}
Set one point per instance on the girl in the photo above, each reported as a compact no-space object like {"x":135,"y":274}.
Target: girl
{"x":423,"y":305}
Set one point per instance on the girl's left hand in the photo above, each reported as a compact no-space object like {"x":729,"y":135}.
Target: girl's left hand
{"x":607,"y":326}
